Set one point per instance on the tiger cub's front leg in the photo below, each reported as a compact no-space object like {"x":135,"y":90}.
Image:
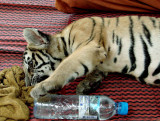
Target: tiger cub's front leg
{"x":79,"y":63}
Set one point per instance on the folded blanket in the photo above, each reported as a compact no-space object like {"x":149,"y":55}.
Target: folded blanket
{"x":14,"y":96}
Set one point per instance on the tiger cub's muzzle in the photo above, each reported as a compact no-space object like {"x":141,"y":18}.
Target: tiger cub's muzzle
{"x":38,"y":78}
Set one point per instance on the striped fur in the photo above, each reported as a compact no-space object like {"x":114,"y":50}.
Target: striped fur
{"x":127,"y":45}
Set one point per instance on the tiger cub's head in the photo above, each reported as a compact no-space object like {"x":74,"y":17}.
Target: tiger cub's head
{"x":38,"y":64}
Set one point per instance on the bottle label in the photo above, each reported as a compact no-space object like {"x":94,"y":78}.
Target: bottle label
{"x":89,"y":107}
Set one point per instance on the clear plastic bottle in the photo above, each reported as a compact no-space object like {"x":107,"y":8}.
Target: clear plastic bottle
{"x":78,"y":107}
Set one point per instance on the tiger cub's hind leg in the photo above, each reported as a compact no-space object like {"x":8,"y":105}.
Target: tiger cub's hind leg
{"x":90,"y":83}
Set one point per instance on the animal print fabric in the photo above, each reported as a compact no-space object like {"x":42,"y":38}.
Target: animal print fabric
{"x":15,"y":15}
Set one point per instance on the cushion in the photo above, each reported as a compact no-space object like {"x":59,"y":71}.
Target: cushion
{"x":76,"y":6}
{"x":15,"y":15}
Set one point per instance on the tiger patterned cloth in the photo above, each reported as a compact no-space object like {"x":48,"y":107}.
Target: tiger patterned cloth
{"x":15,"y":15}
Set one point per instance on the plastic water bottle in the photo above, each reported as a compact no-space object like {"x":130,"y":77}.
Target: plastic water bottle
{"x":78,"y":107}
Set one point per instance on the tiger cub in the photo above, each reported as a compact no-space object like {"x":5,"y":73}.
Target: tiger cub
{"x":93,"y":46}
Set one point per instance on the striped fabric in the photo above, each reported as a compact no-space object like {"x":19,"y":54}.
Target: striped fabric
{"x":14,"y":18}
{"x":47,"y":3}
{"x":15,"y":15}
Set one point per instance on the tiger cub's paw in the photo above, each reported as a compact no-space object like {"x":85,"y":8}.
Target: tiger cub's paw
{"x":43,"y":88}
{"x":39,"y":90}
{"x":90,"y":83}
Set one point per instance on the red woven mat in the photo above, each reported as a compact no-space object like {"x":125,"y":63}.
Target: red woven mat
{"x":15,"y":15}
{"x":143,"y":100}
{"x":14,"y":18}
{"x":48,"y":3}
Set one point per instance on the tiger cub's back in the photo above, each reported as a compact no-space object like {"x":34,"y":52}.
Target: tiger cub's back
{"x":133,"y":44}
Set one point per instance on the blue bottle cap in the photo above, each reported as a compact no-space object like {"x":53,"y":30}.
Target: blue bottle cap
{"x":122,"y":108}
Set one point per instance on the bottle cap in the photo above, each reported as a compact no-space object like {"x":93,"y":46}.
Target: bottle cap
{"x":122,"y":108}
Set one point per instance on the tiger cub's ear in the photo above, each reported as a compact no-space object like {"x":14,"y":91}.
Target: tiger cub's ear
{"x":36,"y":39}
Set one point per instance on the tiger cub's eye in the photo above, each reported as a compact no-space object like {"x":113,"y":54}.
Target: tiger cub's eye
{"x":30,"y":64}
